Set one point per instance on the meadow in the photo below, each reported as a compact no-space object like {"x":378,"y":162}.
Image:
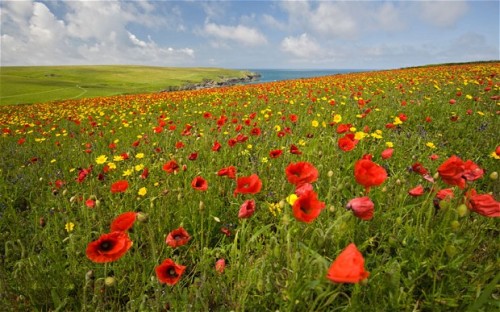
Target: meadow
{"x":38,"y":84}
{"x":373,"y":191}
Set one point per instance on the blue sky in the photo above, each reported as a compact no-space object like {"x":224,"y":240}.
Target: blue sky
{"x":249,"y":34}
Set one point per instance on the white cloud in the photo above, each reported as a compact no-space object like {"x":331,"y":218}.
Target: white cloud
{"x":87,"y":33}
{"x":272,"y":22}
{"x":442,"y":13}
{"x":302,"y":47}
{"x":241,"y":34}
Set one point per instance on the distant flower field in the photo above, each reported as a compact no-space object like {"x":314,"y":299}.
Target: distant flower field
{"x":373,"y":191}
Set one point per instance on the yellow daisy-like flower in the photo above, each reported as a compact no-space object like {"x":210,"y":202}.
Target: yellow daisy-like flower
{"x":118,"y":158}
{"x":430,"y":145}
{"x":101,"y":159}
{"x":337,"y":118}
{"x":111,"y":165}
{"x":315,"y":123}
{"x":291,"y":199}
{"x":377,"y":134}
{"x":494,"y":155}
{"x":352,"y":129}
{"x":277,"y":128}
{"x":139,"y":155}
{"x":139,"y":167}
{"x":389,"y":144}
{"x":302,"y":142}
{"x":142,"y":191}
{"x":360,"y":135}
{"x":397,"y":121}
{"x":264,"y":160}
{"x":127,"y":172}
{"x":69,"y":227}
{"x":249,"y":146}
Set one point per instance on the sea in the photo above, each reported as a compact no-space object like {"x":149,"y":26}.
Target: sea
{"x":269,"y":75}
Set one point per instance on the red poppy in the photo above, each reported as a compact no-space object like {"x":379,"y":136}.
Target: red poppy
{"x":170,"y":166}
{"x":177,"y":238}
{"x":362,"y":207}
{"x":216,"y":147}
{"x":179,"y":145}
{"x":119,"y":186}
{"x":82,"y":173}
{"x":417,"y":191}
{"x":199,"y":184}
{"x":303,"y":188}
{"x":220,"y":266}
{"x":169,"y":272}
{"x":348,"y":267}
{"x":445,"y":194}
{"x":347,"y":142}
{"x":248,"y":185}
{"x":90,"y":203}
{"x":109,"y":247}
{"x":472,"y":171}
{"x":247,"y":209}
{"x":419,"y":168}
{"x":301,"y":172}
{"x":193,"y":156}
{"x":307,"y":207}
{"x":485,"y":205}
{"x":255,"y":131}
{"x":293,"y":118}
{"x":275,"y":153}
{"x":295,"y":150}
{"x":368,"y":173}
{"x":387,"y":153}
{"x":241,"y":138}
{"x":230,"y":172}
{"x":123,"y":222}
{"x":145,"y":173}
{"x":342,"y":128}
{"x":451,"y":171}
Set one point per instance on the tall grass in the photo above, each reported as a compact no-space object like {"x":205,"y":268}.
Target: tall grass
{"x":423,"y":254}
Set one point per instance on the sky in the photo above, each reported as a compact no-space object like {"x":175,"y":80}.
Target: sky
{"x":249,"y":34}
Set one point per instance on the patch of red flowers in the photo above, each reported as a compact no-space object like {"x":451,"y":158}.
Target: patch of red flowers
{"x":454,"y":171}
{"x":170,"y":166}
{"x":119,"y":186}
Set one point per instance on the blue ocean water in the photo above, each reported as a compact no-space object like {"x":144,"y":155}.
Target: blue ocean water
{"x":269,"y":75}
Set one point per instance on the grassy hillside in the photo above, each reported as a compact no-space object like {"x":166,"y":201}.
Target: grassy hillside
{"x":20,"y":85}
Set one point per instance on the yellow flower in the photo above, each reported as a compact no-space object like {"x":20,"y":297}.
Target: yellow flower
{"x":397,"y":121}
{"x":315,"y":123}
{"x":352,"y":129}
{"x":249,"y":146}
{"x":139,"y":167}
{"x":139,"y":155}
{"x":69,"y":227}
{"x":142,"y":191}
{"x":389,"y":144}
{"x":302,"y":142}
{"x":277,"y":128}
{"x":494,"y":155}
{"x":127,"y":172}
{"x":118,"y":158}
{"x":101,"y":159}
{"x":337,"y":118}
{"x":274,"y":208}
{"x":53,"y":161}
{"x":469,"y":97}
{"x":264,"y":160}
{"x":291,"y":199}
{"x":111,"y":165}
{"x":430,"y":145}
{"x":360,"y":135}
{"x":377,"y":134}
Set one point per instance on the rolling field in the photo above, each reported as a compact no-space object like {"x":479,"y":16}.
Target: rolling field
{"x":37,"y":84}
{"x":373,"y":191}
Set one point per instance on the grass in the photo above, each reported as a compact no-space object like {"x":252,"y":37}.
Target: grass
{"x":423,"y":254}
{"x":37,"y":84}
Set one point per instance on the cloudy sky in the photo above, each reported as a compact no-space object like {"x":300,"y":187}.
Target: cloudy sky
{"x":249,"y":34}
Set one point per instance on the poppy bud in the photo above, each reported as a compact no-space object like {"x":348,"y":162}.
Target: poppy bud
{"x":141,"y":216}
{"x":110,"y":281}
{"x":494,"y":175}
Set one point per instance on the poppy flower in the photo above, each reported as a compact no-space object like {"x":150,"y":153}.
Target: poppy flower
{"x":485,"y":205}
{"x":303,"y":188}
{"x":342,"y":128}
{"x":199,"y":184}
{"x":275,"y":153}
{"x":119,"y":186}
{"x":362,"y":207}
{"x":230,"y":172}
{"x":145,"y":173}
{"x":307,"y":207}
{"x":216,"y":147}
{"x":417,"y":191}
{"x":452,"y":170}
{"x":301,"y":172}
{"x":123,"y":222}
{"x":348,"y":267}
{"x":193,"y":156}
{"x":109,"y":247}
{"x":170,"y":166}
{"x":295,"y":150}
{"x":169,"y":272}
{"x":387,"y":153}
{"x":177,"y":238}
{"x":368,"y":174}
{"x":472,"y":171}
{"x":347,"y":142}
{"x":90,"y":203}
{"x":255,"y":131}
{"x":419,"y":168}
{"x":247,"y":209}
{"x":248,"y":185}
{"x":445,"y":194}
{"x":220,"y":265}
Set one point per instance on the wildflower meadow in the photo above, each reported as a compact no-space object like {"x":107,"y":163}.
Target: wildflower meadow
{"x":374,"y":191}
